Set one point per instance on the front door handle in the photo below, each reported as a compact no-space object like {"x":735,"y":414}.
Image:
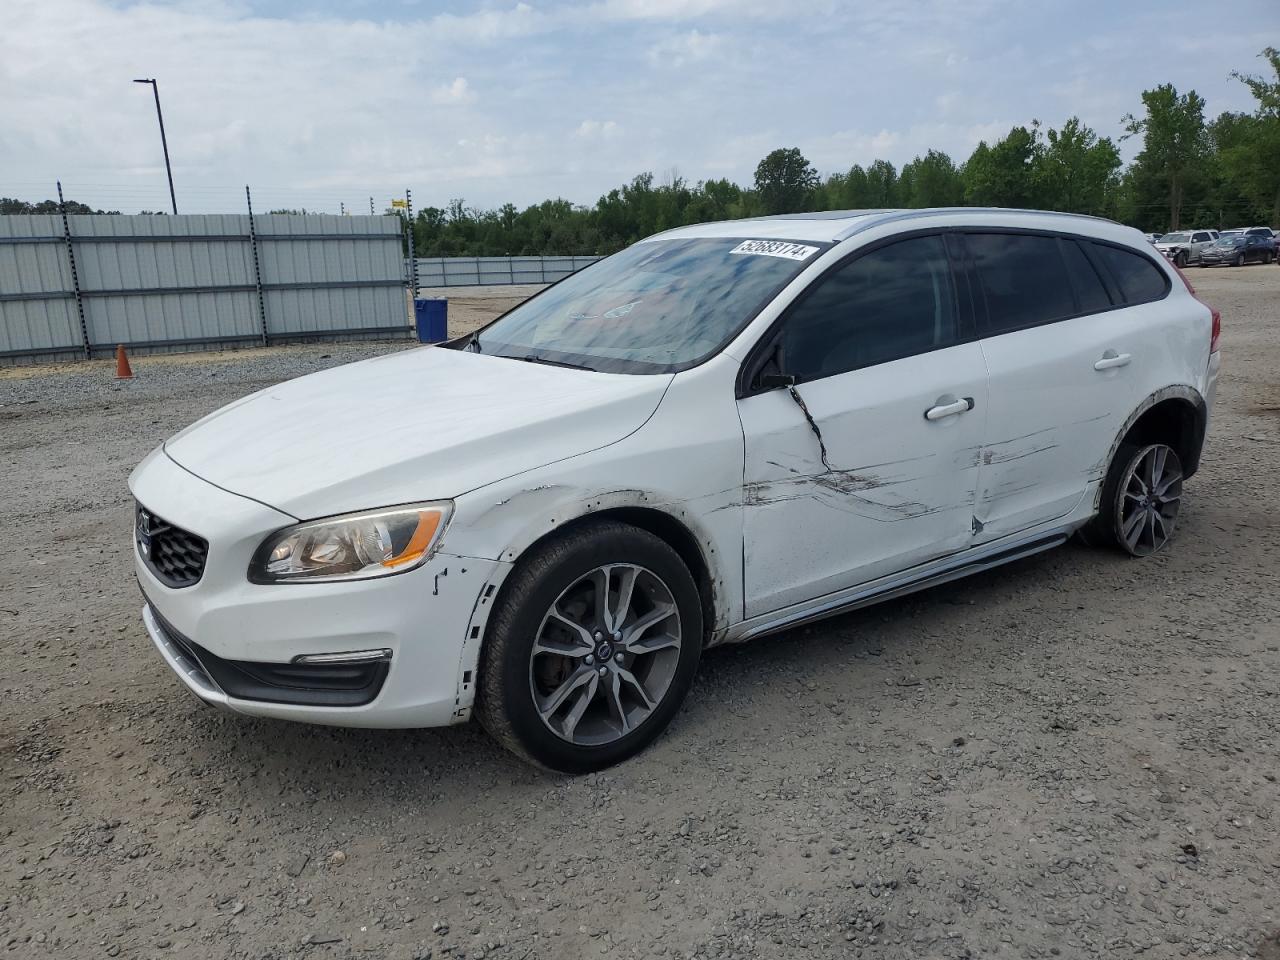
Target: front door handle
{"x":1111,"y":359}
{"x":949,"y":409}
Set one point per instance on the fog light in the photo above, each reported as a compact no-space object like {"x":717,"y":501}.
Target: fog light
{"x":355,"y":656}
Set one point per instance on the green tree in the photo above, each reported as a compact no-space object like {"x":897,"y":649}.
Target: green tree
{"x":1249,"y":147}
{"x":1174,"y":141}
{"x":1003,"y":175}
{"x":784,"y":181}
{"x":1076,"y":171}
{"x":931,"y":181}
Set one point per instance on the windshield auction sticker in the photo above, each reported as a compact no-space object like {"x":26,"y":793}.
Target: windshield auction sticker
{"x":775,"y":248}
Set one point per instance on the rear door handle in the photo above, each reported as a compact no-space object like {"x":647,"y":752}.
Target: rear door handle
{"x":1112,"y":359}
{"x":963,"y":405}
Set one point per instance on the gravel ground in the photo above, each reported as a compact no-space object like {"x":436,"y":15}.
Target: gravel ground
{"x":1075,"y":755}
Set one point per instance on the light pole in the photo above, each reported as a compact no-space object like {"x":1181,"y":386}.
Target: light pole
{"x":155,"y":88}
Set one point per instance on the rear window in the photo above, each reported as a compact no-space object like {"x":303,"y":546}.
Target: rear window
{"x":1138,"y":279}
{"x":1024,"y":279}
{"x":1090,"y":290}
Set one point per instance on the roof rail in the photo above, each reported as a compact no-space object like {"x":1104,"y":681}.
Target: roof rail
{"x":894,"y":216}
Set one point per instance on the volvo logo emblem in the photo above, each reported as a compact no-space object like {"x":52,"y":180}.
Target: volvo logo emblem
{"x":144,"y":533}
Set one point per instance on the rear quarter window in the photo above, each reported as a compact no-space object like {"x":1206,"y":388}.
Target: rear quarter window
{"x":1137,"y":278}
{"x":1090,"y":290}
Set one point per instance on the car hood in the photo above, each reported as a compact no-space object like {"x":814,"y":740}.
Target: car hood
{"x":423,"y":424}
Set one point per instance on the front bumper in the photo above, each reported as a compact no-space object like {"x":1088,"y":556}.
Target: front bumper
{"x":422,"y":618}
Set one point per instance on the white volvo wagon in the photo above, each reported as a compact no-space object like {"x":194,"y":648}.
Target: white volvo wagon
{"x":718,"y":433}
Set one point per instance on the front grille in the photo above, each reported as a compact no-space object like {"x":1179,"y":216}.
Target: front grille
{"x":174,"y":555}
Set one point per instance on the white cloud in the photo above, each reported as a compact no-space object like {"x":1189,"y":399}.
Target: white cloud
{"x":457,"y":92}
{"x":596,"y":129}
{"x":691,"y":47}
{"x":316,"y":109}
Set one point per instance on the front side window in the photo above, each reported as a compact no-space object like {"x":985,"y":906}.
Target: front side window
{"x":1200,"y":237}
{"x":1024,"y":278}
{"x":1139,"y":280}
{"x":656,"y":307}
{"x":892,"y":302}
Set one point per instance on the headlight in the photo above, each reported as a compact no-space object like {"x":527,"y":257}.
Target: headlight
{"x":356,"y":546}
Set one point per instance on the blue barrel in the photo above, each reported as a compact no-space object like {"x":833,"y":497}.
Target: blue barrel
{"x":432,"y":320}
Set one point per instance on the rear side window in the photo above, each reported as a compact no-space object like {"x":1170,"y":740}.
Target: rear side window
{"x":1139,"y":280}
{"x":1024,"y":278}
{"x":890,"y":303}
{"x":1089,"y":288}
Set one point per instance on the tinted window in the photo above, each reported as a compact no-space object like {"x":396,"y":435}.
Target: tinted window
{"x":1090,"y":292}
{"x":1024,"y":278}
{"x":1138,"y":278}
{"x":1200,"y":237}
{"x":887,"y":304}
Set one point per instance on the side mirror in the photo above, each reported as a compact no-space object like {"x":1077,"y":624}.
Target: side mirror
{"x":770,"y":375}
{"x":772,"y":381}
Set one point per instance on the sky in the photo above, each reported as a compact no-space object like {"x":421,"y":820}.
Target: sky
{"x":317,"y":103}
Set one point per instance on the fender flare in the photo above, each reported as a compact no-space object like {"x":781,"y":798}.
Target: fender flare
{"x":552,"y":508}
{"x":1172,"y":392}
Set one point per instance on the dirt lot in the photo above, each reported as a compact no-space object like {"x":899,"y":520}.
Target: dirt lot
{"x":1072,"y":756}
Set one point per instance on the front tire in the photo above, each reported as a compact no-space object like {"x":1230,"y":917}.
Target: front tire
{"x":591,"y":648}
{"x":1180,"y":259}
{"x":1239,"y":260}
{"x":1140,"y":502}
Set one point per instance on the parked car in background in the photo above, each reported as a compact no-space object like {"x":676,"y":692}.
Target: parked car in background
{"x":1185,"y":246}
{"x":1152,"y":237}
{"x":721,"y":432}
{"x":1241,"y":246}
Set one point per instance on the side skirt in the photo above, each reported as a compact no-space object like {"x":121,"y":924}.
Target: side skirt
{"x":899,"y":585}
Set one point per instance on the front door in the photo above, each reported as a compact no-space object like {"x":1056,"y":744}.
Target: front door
{"x":869,"y":463}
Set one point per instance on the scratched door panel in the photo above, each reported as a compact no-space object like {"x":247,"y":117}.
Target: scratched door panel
{"x":899,"y":490}
{"x":1053,"y":417}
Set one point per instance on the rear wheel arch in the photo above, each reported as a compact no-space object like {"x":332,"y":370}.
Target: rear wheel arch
{"x":1175,"y":415}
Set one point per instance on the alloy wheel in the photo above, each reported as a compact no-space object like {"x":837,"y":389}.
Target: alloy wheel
{"x":1151,"y":494}
{"x":605,"y":654}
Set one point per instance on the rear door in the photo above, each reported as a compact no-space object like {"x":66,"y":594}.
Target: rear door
{"x":1064,"y":366}
{"x":868,"y":464}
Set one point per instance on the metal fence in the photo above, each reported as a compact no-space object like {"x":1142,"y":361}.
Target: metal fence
{"x":79,"y":285}
{"x":484,"y":271}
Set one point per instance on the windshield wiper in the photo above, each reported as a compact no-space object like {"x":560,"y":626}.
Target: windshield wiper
{"x":532,"y":358}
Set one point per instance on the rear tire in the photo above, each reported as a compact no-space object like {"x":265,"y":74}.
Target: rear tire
{"x":591,"y":648}
{"x":1140,"y":502}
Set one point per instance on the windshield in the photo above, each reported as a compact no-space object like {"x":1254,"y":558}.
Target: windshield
{"x":1175,"y":238}
{"x":656,"y":307}
{"x":1230,"y":235}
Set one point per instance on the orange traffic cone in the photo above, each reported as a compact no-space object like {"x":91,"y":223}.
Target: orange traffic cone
{"x":123,"y":370}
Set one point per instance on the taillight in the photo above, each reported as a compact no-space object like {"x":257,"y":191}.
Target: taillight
{"x":1216,"y":335}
